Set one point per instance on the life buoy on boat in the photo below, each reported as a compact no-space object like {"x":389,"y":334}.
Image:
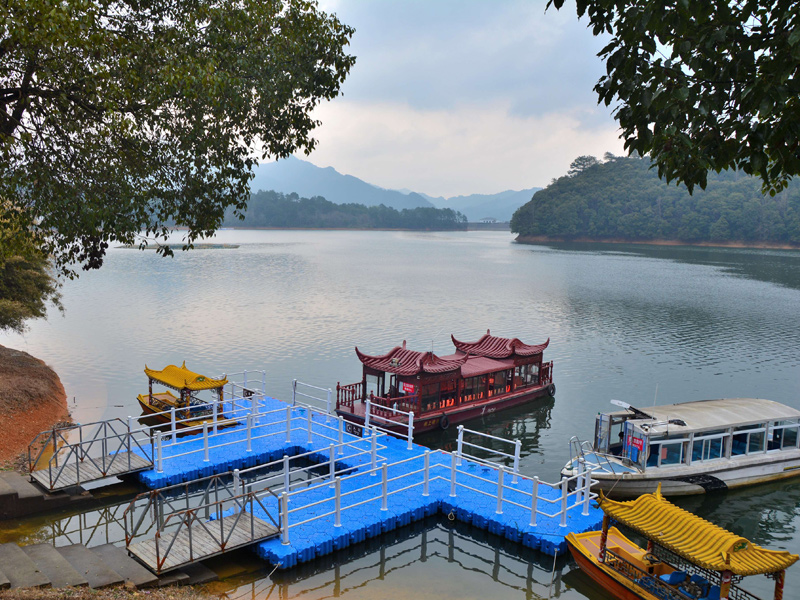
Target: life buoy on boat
{"x":444,"y":422}
{"x":551,"y":389}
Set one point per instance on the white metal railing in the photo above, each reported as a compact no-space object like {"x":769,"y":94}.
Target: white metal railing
{"x":462,"y":442}
{"x":373,"y":413}
{"x":309,"y":395}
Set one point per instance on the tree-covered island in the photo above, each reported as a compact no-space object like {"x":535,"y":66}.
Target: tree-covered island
{"x":623,"y":199}
{"x":275,"y":210}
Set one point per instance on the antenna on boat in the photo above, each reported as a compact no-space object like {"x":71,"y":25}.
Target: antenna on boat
{"x":435,"y":335}
{"x":656,"y":396}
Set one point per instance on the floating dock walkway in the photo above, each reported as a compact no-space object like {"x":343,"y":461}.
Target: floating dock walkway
{"x":329,"y":489}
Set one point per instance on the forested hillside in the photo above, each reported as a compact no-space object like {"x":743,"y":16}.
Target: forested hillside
{"x":622,"y":198}
{"x":273,"y":209}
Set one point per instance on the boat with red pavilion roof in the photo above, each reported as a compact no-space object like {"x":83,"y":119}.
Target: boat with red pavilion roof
{"x":480,"y":378}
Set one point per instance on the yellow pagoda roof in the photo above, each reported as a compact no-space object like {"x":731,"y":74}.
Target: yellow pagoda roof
{"x":181,"y":378}
{"x":698,"y":541}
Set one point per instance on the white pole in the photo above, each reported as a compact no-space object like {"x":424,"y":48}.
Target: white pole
{"x":426,"y":473}
{"x":173,"y":426}
{"x":534,"y":501}
{"x":460,"y":443}
{"x":453,"y":475}
{"x":130,"y":428}
{"x":250,"y":432}
{"x":385,"y":487}
{"x":254,"y":404}
{"x":205,"y":441}
{"x":587,"y":488}
{"x":286,"y":482}
{"x":564,"y":492}
{"x":579,"y":482}
{"x":410,"y":430}
{"x":329,"y":401}
{"x":159,"y":455}
{"x":341,"y":435}
{"x":500,"y":473}
{"x":374,"y":451}
{"x":517,"y":450}
{"x":214,"y":405}
{"x":285,"y":519}
{"x":308,"y":412}
{"x":237,"y":484}
{"x":244,"y":385}
{"x":294,"y":391}
{"x":366,"y":416}
{"x":332,"y":468}
{"x":338,"y":502}
{"x":288,"y":424}
{"x":263,"y":382}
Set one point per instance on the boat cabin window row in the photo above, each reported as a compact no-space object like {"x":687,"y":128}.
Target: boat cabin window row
{"x":658,"y":450}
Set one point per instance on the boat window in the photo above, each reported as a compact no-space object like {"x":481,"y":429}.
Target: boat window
{"x":526,"y":375}
{"x":666,"y":451}
{"x":783,"y":435}
{"x":429,"y":397}
{"x":636,"y":445}
{"x":499,"y":383}
{"x":709,"y":445}
{"x":449,"y":390}
{"x":748,"y":439}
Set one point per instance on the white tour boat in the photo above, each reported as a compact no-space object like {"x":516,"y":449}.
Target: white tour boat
{"x":690,"y":448}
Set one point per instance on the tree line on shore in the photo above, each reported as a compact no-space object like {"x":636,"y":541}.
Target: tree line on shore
{"x":623,"y":198}
{"x":274,"y":209}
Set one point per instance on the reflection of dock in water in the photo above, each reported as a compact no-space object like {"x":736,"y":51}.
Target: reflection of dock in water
{"x":356,"y":569}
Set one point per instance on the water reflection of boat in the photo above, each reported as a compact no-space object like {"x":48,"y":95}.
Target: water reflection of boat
{"x":190,"y":410}
{"x":482,"y":377}
{"x":686,"y":556}
{"x":693,"y":447}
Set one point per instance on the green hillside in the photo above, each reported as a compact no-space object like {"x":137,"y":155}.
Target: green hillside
{"x":273,"y":209}
{"x":623,"y":198}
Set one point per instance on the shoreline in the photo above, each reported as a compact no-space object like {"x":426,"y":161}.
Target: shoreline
{"x":540,"y":239}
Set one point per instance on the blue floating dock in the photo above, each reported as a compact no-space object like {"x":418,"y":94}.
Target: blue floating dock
{"x":475,"y":501}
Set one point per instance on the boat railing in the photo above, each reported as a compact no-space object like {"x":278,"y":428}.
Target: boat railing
{"x":495,"y":453}
{"x":389,"y":416}
{"x":322,"y":396}
{"x":348,"y":395}
{"x":602,"y":460}
{"x":631,"y":572}
{"x":546,"y":373}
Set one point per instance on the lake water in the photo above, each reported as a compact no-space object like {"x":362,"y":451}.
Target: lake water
{"x":637,"y":323}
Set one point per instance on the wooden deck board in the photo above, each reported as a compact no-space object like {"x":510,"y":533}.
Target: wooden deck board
{"x":204,"y":544}
{"x":90,"y":470}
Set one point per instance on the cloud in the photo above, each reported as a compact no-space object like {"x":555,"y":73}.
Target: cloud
{"x":466,"y":149}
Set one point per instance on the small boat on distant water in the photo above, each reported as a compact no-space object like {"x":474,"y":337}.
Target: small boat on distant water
{"x":480,"y":378}
{"x":686,"y":558}
{"x":692,"y":447}
{"x":191,"y":411}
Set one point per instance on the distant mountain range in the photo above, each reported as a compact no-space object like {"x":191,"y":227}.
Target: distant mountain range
{"x":307,"y":180}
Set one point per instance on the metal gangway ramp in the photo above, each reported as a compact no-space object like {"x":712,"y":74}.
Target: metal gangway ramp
{"x":195,"y":521}
{"x":57,"y":460}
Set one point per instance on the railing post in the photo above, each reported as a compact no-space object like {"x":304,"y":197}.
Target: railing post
{"x":410,"y":429}
{"x":328,"y":403}
{"x":250,"y":432}
{"x":215,"y":406}
{"x":294,"y":391}
{"x":308,"y":413}
{"x":159,"y":455}
{"x":426,"y":473}
{"x":264,"y":382}
{"x":587,"y":489}
{"x":244,"y":382}
{"x":534,"y":501}
{"x":564,"y":492}
{"x":254,"y":406}
{"x":288,"y":424}
{"x":501,"y":471}
{"x":341,"y":435}
{"x":517,"y":451}
{"x":366,"y":415}
{"x":286,"y":482}
{"x":579,"y":482}
{"x":460,"y":443}
{"x":285,"y":519}
{"x":205,"y":441}
{"x":384,"y":487}
{"x":332,"y":467}
{"x":374,"y":451}
{"x":173,"y":424}
{"x":337,"y":483}
{"x":453,"y":475}
{"x":237,"y":483}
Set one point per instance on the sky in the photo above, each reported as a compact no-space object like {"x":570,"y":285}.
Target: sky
{"x":451,"y":97}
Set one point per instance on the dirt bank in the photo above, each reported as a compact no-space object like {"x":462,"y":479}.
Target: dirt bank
{"x":543,"y":239}
{"x":31,"y":399}
{"x":116,"y":593}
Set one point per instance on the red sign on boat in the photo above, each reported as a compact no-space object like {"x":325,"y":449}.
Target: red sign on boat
{"x":409,"y":388}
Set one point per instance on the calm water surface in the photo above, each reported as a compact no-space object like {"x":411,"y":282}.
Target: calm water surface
{"x":637,"y":323}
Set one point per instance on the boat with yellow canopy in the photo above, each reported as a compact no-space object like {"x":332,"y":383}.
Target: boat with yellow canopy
{"x":686,"y":558}
{"x":191,"y":411}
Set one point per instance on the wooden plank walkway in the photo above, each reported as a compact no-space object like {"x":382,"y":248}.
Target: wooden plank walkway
{"x":203,"y":544}
{"x":90,"y":470}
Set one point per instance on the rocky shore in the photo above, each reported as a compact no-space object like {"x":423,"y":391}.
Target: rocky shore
{"x":32,"y":399}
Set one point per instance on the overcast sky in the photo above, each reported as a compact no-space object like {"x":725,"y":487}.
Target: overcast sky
{"x":453,"y":97}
